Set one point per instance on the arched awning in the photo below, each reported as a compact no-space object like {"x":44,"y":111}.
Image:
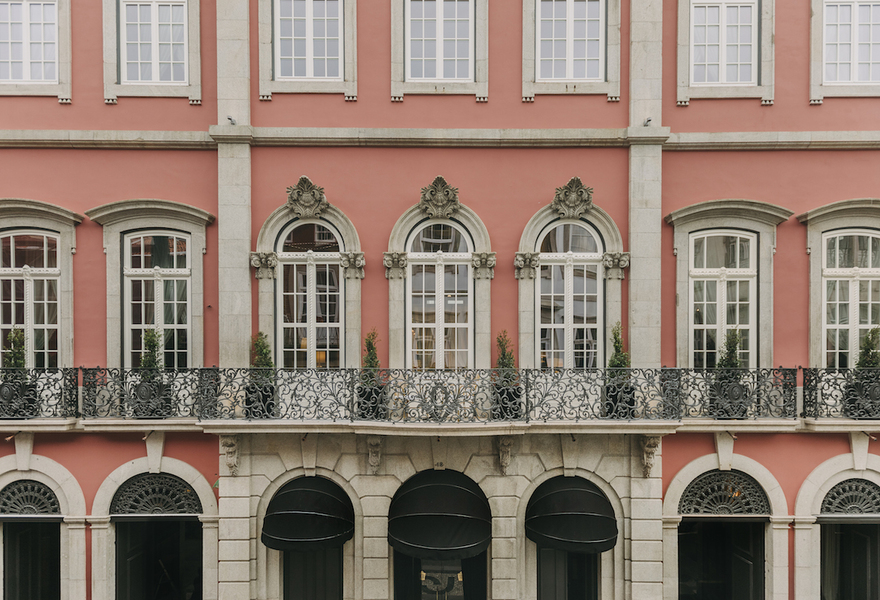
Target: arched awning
{"x":571,"y":513}
{"x":308,"y":513}
{"x":440,"y":515}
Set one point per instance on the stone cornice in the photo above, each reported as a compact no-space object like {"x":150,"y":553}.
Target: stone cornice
{"x":109,"y":139}
{"x":22,"y":207}
{"x":730,"y":208}
{"x":121,"y":210}
{"x":774,"y":140}
{"x":856,"y":208}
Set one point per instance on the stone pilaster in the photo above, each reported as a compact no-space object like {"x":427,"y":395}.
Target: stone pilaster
{"x":234,"y":531}
{"x":646,"y":524}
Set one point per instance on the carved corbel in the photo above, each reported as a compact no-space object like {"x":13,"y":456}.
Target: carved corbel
{"x":395,"y":265}
{"x":484,"y":265}
{"x":526,"y":264}
{"x":374,"y":453}
{"x":615,"y":263}
{"x":505,"y":452}
{"x":229,"y":445}
{"x":439,"y":200}
{"x":353,"y":264}
{"x":573,"y":199}
{"x":650,"y":444}
{"x":264,"y":263}
{"x":305,"y":199}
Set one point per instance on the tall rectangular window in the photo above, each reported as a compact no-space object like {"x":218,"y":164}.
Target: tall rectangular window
{"x":571,"y":40}
{"x":153,"y":40}
{"x":439,"y":40}
{"x":308,"y":39}
{"x":724,"y":42}
{"x":852,"y":42}
{"x":28,"y":42}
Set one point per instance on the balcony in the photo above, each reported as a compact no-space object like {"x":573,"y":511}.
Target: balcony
{"x":38,"y":393}
{"x":842,"y":394}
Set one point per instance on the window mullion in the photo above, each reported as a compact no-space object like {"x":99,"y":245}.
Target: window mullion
{"x":312,"y":304}
{"x":154,"y":40}
{"x":569,"y":308}
{"x":29,"y":321}
{"x":439,"y":317}
{"x":854,"y":301}
{"x":569,"y":39}
{"x":310,"y":42}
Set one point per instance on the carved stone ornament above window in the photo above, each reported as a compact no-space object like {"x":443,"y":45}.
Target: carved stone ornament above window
{"x":374,"y":453}
{"x":395,"y":265}
{"x":439,"y":200}
{"x":484,"y":265}
{"x":852,"y":497}
{"x":615,"y":263}
{"x":650,"y":445}
{"x":505,"y":452}
{"x":264,"y":263}
{"x":526,"y":264}
{"x":353,"y":264}
{"x":724,"y":493}
{"x":28,"y":497}
{"x":306,"y":199}
{"x":573,"y":199}
{"x":230,"y":446}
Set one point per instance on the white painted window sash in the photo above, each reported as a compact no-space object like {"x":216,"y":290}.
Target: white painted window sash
{"x":309,"y":43}
{"x":155,"y":61}
{"x":29,"y":44}
{"x":439,"y":40}
{"x":862,"y":42}
{"x":724,"y":42}
{"x":570,"y":42}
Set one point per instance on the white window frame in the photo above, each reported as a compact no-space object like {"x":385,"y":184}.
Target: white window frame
{"x":440,"y":40}
{"x":157,"y":276}
{"x":439,"y":259}
{"x":311,"y":259}
{"x":115,"y":84}
{"x":28,"y":275}
{"x":309,"y":43}
{"x":608,"y":83}
{"x":763,"y":55}
{"x":270,"y":84}
{"x":819,"y":88}
{"x":60,"y":86}
{"x":154,"y":42}
{"x":401,"y":84}
{"x":721,"y":276}
{"x":568,"y":260}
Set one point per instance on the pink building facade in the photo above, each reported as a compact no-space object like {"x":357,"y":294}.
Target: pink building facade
{"x":180,"y":176}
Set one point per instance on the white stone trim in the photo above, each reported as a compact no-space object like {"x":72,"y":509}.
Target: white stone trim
{"x":611,"y":85}
{"x":267,"y":561}
{"x":19,"y":213}
{"x":269,"y":85}
{"x":530,"y":241}
{"x":104,"y":531}
{"x":267,"y":239}
{"x":400,"y":233}
{"x":112,"y":86}
{"x":808,"y":505}
{"x":73,"y":509}
{"x":860,"y":213}
{"x":748,"y":215}
{"x":62,"y":88}
{"x":479,"y":86}
{"x":765,"y":69}
{"x":818,"y":89}
{"x":775,"y":533}
{"x":124,"y":216}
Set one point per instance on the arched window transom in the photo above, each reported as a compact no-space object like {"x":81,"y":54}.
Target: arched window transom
{"x":724,"y":493}
{"x":155,"y":494}
{"x":852,"y":497}
{"x":569,"y":297}
{"x":28,"y":497}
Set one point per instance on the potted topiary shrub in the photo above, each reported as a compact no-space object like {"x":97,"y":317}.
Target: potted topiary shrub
{"x":619,"y":393}
{"x":18,"y":395}
{"x":728,"y":398}
{"x":260,"y":391}
{"x":371,"y":403}
{"x":862,"y":392}
{"x":507,"y":402}
{"x":149,"y":393}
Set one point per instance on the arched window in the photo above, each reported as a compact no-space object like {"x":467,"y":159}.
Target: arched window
{"x":31,"y":523}
{"x":569,"y":297}
{"x":440,"y":302}
{"x":310,"y":299}
{"x":30,"y":294}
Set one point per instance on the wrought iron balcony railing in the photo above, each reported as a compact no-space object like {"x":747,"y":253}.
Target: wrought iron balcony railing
{"x":842,"y":393}
{"x":461,"y":396}
{"x":38,"y":393}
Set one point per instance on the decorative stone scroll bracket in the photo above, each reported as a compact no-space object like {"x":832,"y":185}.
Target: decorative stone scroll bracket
{"x":526,"y":264}
{"x":353,"y":265}
{"x":305,"y":199}
{"x":573,"y":199}
{"x":650,"y":445}
{"x":264,"y":263}
{"x":505,"y":452}
{"x":229,"y":444}
{"x":439,"y":200}
{"x":395,"y":265}
{"x":615,"y":263}
{"x":484,"y":265}
{"x":374,"y":453}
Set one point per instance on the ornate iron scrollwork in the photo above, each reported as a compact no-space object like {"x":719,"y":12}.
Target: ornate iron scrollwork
{"x":724,"y":493}
{"x":28,"y":497}
{"x":852,"y":497}
{"x":155,"y":494}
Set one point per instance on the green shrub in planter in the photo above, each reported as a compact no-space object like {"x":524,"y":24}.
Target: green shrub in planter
{"x":507,"y":402}
{"x":619,"y":394}
{"x":730,"y":400}
{"x":260,"y":397}
{"x":862,"y":395}
{"x":371,"y":404}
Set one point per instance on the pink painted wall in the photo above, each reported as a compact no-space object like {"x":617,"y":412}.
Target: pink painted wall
{"x":82,"y":179}
{"x":504,"y":109}
{"x":791,"y":110}
{"x":373,"y":187}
